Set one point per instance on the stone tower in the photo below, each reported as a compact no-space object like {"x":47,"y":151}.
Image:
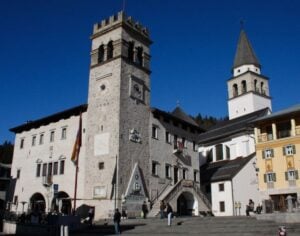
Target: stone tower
{"x":248,"y":90}
{"x":117,"y":128}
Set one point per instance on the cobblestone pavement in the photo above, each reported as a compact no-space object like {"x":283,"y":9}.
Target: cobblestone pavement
{"x":208,"y":226}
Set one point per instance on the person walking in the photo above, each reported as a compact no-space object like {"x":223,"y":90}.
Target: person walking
{"x":91,"y":214}
{"x":169,"y":214}
{"x":162,"y":209}
{"x":117,"y":220}
{"x":144,"y":210}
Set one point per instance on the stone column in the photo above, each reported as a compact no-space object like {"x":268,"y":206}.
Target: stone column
{"x":293,"y":127}
{"x":274,"y":131}
{"x":289,"y":200}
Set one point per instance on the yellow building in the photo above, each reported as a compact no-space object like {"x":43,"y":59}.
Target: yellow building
{"x":278,"y":156}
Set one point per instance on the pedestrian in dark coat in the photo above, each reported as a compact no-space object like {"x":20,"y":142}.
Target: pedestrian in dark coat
{"x":144,"y":210}
{"x":169,"y":214}
{"x":117,"y":220}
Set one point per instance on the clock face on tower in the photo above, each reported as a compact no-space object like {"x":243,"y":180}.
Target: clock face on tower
{"x":136,"y":88}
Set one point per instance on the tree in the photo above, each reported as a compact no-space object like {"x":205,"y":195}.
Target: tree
{"x":6,"y":152}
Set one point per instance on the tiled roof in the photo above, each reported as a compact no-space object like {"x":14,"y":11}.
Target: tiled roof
{"x":244,"y":53}
{"x":177,"y":115}
{"x":49,"y":119}
{"x":223,"y":170}
{"x":282,"y":113}
{"x":229,"y":127}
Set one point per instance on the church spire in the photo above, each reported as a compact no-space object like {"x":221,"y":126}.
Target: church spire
{"x":244,"y":53}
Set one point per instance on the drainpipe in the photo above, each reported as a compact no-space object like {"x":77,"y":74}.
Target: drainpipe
{"x":232,"y":198}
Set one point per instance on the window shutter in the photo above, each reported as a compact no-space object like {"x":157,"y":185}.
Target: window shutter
{"x":294,"y":149}
{"x":286,"y":175}
{"x":265,"y":178}
{"x":296,"y":174}
{"x":272,"y":152}
{"x":263,"y":154}
{"x":283,"y":150}
{"x":274,"y":177}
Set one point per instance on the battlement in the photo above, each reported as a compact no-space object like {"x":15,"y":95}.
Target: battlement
{"x":120,"y":18}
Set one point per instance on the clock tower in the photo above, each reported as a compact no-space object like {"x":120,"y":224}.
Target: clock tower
{"x":248,"y":89}
{"x":118,"y":111}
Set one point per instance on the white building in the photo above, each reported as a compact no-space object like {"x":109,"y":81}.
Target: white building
{"x":227,"y":150}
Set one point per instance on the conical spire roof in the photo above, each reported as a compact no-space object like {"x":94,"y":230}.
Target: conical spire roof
{"x":179,"y":113}
{"x":244,"y":53}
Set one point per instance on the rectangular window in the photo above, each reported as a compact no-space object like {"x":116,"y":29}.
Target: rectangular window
{"x":18,"y":173}
{"x":196,"y":176}
{"x":154,"y":168}
{"x":22,"y":141}
{"x":154,"y":132}
{"x":183,"y":142}
{"x":55,"y":168}
{"x":64,"y":133}
{"x":168,"y":171}
{"x":221,"y":187}
{"x":168,"y":137}
{"x":101,"y":165}
{"x":49,"y":169}
{"x":222,"y":206}
{"x":184,"y":172}
{"x":270,"y":177}
{"x":291,"y":175}
{"x":268,"y":153}
{"x":38,"y":170}
{"x":44,"y":173}
{"x":52,"y":136}
{"x":289,"y":150}
{"x":33,"y":140}
{"x":41,"y":139}
{"x":62,"y":167}
{"x":194,"y":146}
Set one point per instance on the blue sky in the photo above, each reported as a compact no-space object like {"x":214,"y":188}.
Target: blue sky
{"x":45,"y":46}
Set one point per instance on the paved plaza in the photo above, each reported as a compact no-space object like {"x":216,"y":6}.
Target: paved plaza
{"x":225,"y":226}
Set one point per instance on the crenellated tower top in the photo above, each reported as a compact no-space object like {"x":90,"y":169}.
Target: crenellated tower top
{"x":120,"y":19}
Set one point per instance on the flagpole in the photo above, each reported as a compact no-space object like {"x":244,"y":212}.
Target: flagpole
{"x":75,"y":155}
{"x":75,"y":189}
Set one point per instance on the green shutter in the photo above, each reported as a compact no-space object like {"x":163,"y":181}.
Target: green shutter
{"x":283,"y":150}
{"x":272,"y":153}
{"x":286,"y":175}
{"x":294,"y":149}
{"x":296,"y":174}
{"x":274,"y":177}
{"x":263,"y":154}
{"x":265,"y":178}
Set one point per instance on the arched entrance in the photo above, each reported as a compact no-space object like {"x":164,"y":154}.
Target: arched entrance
{"x":37,"y":202}
{"x":62,"y":203}
{"x":187,"y":205}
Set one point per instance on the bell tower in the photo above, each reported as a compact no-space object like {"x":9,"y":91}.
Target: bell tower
{"x":118,"y":109}
{"x":248,"y":90}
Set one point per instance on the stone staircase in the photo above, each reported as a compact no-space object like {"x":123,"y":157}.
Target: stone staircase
{"x":173,"y":191}
{"x":208,"y":226}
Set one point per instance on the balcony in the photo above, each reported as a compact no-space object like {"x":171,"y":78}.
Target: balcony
{"x":297,"y":131}
{"x":265,"y":137}
{"x":47,"y":181}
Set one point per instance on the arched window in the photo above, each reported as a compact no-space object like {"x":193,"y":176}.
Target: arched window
{"x":244,"y":86}
{"x":262,"y":88}
{"x":255,"y":86}
{"x":130,"y":51}
{"x":219,"y":152}
{"x":101,"y":54}
{"x":110,"y":50}
{"x":139,"y":56}
{"x":235,"y":90}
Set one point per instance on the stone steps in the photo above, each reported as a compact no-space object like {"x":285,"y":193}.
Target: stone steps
{"x":208,"y":226}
